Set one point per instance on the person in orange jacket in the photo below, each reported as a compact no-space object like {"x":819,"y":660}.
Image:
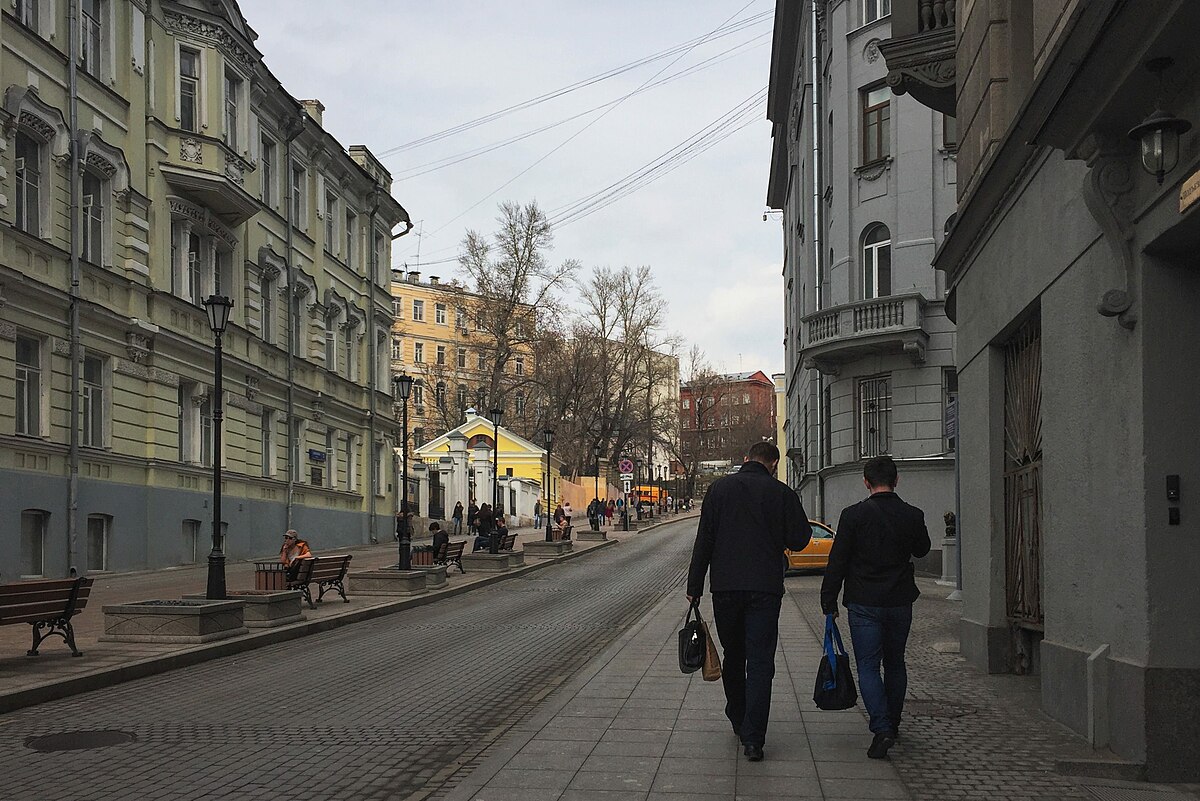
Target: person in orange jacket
{"x":294,"y":548}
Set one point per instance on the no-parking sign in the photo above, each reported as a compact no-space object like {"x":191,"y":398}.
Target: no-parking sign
{"x":625,"y":466}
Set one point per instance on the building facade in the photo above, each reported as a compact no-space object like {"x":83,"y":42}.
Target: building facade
{"x":865,"y":183}
{"x":1074,"y":279}
{"x":145,"y":167}
{"x":721,"y":416}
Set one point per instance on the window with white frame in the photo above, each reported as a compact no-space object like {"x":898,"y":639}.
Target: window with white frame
{"x":331,"y":458}
{"x":30,"y":386}
{"x":441,"y":354}
{"x":439,"y":394}
{"x":267,"y":442}
{"x":877,"y":262}
{"x":205,"y":414}
{"x":419,"y":352}
{"x":874,"y":415}
{"x":687,"y":403}
{"x":519,"y":365}
{"x":418,"y":311}
{"x":380,"y":254}
{"x":27,"y":13}
{"x":380,"y":468}
{"x":267,"y":290}
{"x":481,"y":361}
{"x":94,"y":411}
{"x":233,"y":99}
{"x":462,"y":358}
{"x":189,"y":89}
{"x":34,"y":523}
{"x":398,"y":308}
{"x":350,"y":343}
{"x":397,"y":349}
{"x":460,"y":319}
{"x":299,"y":189}
{"x":418,"y":392}
{"x":949,"y":408}
{"x":876,"y":123}
{"x":267,"y":170}
{"x":99,"y":530}
{"x":29,"y":187}
{"x":745,"y":398}
{"x":331,"y":343}
{"x":439,"y":313}
{"x":519,"y":403}
{"x":875,"y":9}
{"x":350,"y":224}
{"x":330,"y":222}
{"x":299,"y":447}
{"x":352,"y":462}
{"x":462,"y":396}
{"x":92,"y":36}
{"x":95,"y":202}
{"x":481,"y":398}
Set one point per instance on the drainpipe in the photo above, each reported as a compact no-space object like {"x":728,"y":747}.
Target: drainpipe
{"x":295,"y":126}
{"x":372,"y":526}
{"x":73,"y":304}
{"x":817,"y":219}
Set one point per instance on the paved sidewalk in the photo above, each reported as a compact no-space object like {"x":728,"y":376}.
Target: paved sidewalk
{"x":632,"y":728}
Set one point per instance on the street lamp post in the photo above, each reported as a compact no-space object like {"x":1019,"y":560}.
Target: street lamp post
{"x":625,"y":510}
{"x":404,"y":385}
{"x":548,"y":438}
{"x":596,"y":497}
{"x":497,"y":414}
{"x":218,"y":307}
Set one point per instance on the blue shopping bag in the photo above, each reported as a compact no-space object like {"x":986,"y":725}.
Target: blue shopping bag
{"x":835,"y":679}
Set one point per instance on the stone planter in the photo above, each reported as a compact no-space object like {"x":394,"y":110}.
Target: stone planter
{"x":435,"y":576}
{"x":265,"y":608}
{"x":548,"y":550}
{"x":390,"y":581}
{"x":588,"y":536}
{"x":485,"y":562}
{"x":174,"y":621}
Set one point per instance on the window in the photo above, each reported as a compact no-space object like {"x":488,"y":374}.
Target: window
{"x":299,"y":445}
{"x":462,"y":396}
{"x":950,"y":409}
{"x":874,"y":416}
{"x":826,"y":426}
{"x":418,"y":392}
{"x":267,"y":163}
{"x":28,"y":176}
{"x":195,"y":270}
{"x":398,"y":308}
{"x":98,"y":529}
{"x":419,"y":352}
{"x":183,"y":416}
{"x":439,"y":313}
{"x":352,"y":462}
{"x":267,"y":298}
{"x":351,"y":355}
{"x":481,"y":362}
{"x":189,"y":90}
{"x":876,"y":123}
{"x":349,"y":254}
{"x":462,"y":358}
{"x":330,"y":222}
{"x":441,"y":354}
{"x":745,"y":398}
{"x":91,"y":36}
{"x":29,"y":387}
{"x":296,"y":309}
{"x":949,"y":132}
{"x":875,"y":9}
{"x":520,"y":365}
{"x":331,"y":326}
{"x":27,"y":12}
{"x":439,"y":394}
{"x":877,"y":262}
{"x":418,"y":314}
{"x":94,"y":196}
{"x":299,"y":190}
{"x":33,"y":542}
{"x":93,"y":402}
{"x":397,"y":349}
{"x":418,"y":437}
{"x":519,"y":403}
{"x":267,"y":433}
{"x":460,"y":318}
{"x":331,"y":439}
{"x":205,"y":412}
{"x":687,"y":403}
{"x":233,"y":93}
{"x":481,"y":399}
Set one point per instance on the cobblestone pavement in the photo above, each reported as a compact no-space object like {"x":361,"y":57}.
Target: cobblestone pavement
{"x":968,"y":735}
{"x":395,"y":708}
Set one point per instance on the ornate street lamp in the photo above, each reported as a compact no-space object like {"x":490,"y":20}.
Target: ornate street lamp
{"x":1159,"y":133}
{"x":218,"y":307}
{"x":404,"y":385}
{"x":548,"y":438}
{"x":596,"y":517}
{"x":497,"y":415}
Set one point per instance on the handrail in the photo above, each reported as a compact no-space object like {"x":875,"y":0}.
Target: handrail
{"x":935,"y":15}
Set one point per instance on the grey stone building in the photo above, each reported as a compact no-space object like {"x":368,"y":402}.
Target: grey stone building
{"x":865,"y":183}
{"x":1074,"y":279}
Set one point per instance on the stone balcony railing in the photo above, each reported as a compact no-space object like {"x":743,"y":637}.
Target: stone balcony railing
{"x":841,"y":334}
{"x":920,"y":54}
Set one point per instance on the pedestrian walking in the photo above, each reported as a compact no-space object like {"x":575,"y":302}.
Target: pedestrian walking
{"x":567,"y":511}
{"x":472,"y":516}
{"x":537,"y":513}
{"x":609,"y":511}
{"x":748,"y":519}
{"x":457,"y":517}
{"x":871,"y":558}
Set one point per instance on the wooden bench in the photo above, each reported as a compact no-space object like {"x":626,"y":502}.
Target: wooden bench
{"x":560,"y":533}
{"x":47,"y":606}
{"x":327,"y":572}
{"x":451,"y":554}
{"x":507,"y":542}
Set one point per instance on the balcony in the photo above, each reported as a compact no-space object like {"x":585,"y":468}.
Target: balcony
{"x":920,"y":54}
{"x":208,"y":172}
{"x":833,"y":337}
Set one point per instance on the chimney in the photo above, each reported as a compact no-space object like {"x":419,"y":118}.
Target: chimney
{"x":433,"y":279}
{"x":314,"y":109}
{"x":414,"y":277}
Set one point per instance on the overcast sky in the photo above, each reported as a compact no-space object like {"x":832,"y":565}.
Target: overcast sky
{"x":393,"y":71}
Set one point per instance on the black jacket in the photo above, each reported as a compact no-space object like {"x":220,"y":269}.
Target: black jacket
{"x":873,"y":557}
{"x":747,"y":521}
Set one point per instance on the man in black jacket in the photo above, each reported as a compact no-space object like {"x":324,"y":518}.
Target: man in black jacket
{"x":746,"y":522}
{"x":872,"y":555}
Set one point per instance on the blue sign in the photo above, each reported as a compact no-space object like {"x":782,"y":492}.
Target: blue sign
{"x":316,"y":456}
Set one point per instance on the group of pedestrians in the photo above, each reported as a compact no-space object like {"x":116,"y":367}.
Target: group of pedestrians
{"x":747,"y":521}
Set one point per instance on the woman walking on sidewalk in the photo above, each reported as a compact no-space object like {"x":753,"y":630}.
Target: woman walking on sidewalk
{"x":457,"y":517}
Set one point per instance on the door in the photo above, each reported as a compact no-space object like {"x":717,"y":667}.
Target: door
{"x":1023,"y":476}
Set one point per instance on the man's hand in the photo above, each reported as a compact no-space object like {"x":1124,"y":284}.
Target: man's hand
{"x":834,"y":614}
{"x":692,"y":600}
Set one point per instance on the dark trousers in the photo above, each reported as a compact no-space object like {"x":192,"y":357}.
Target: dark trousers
{"x":748,"y":625}
{"x":880,"y":634}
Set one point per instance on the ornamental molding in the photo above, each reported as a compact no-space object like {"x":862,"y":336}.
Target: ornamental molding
{"x":201,"y":217}
{"x":60,"y":347}
{"x":191,"y":150}
{"x":874,"y":170}
{"x":871,"y":51}
{"x":185,"y":209}
{"x":36,"y":125}
{"x":108,"y":160}
{"x":210,"y":32}
{"x":100,"y":164}
{"x":137,"y":345}
{"x":145,"y":373}
{"x":27,"y":110}
{"x":8,"y":331}
{"x":251,"y":387}
{"x":238,"y":402}
{"x":1108,"y":194}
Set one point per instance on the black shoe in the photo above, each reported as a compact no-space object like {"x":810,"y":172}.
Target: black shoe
{"x":880,"y":745}
{"x":754,"y":753}
{"x":896,"y":732}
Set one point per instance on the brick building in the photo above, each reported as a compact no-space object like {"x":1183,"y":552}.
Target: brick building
{"x":721,"y":416}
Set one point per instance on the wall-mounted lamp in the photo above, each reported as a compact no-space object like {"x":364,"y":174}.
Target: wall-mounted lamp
{"x":1159,"y":133}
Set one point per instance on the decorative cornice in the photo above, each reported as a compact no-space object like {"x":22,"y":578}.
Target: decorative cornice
{"x":214,"y":34}
{"x":238,"y":402}
{"x":145,"y":373}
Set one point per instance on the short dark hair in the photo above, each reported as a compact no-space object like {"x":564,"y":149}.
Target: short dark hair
{"x":880,"y":471}
{"x":764,"y":452}
{"x":435,"y":527}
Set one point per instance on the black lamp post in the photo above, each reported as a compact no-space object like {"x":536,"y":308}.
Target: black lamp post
{"x":497,"y":415}
{"x":548,"y":438}
{"x":625,"y":510}
{"x":404,"y":385}
{"x":218,"y":307}
{"x":596,"y":509}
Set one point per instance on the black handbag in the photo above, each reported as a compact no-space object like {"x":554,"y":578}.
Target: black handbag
{"x":835,"y":680}
{"x":692,"y":641}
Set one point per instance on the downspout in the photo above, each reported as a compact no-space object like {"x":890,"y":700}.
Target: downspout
{"x":293,"y":130}
{"x":73,"y":304}
{"x":372,"y":526}
{"x":817,"y":220}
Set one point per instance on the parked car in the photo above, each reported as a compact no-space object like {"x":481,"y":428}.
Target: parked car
{"x":815,"y":555}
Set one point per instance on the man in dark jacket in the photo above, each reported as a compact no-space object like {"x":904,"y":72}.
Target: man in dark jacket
{"x":747,"y":521}
{"x":872,"y":556}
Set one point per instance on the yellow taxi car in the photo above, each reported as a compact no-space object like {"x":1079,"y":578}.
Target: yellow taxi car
{"x":815,"y":555}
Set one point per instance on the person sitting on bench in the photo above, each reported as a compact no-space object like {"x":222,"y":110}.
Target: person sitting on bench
{"x":440,"y":539}
{"x":294,"y":549}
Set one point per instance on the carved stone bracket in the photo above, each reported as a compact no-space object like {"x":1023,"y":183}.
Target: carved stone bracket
{"x":923,"y":65}
{"x":915,"y":351}
{"x":1108,"y":193}
{"x":824,"y":367}
{"x":7,"y":331}
{"x":137,"y":345}
{"x":873,"y":171}
{"x":250,"y":406}
{"x":318,"y":409}
{"x":251,"y":387}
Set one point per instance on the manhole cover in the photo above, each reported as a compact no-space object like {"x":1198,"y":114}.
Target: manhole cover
{"x":79,"y":740}
{"x":938,"y":709}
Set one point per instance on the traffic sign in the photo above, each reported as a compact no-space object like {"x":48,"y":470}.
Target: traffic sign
{"x":625,"y":466}
{"x":627,"y":476}
{"x":626,"y":486}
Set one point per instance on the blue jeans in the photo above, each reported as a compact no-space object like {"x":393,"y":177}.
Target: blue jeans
{"x":748,"y":625}
{"x":879,"y":634}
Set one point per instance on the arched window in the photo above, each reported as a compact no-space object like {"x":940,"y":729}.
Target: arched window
{"x":462,"y":396}
{"x":440,"y":394}
{"x":481,"y":399}
{"x":877,"y":262}
{"x":520,"y":403}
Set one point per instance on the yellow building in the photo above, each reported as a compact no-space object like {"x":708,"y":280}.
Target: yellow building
{"x":439,"y":339}
{"x":198,"y":174}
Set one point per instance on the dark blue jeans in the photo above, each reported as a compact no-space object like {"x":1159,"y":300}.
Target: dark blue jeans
{"x":748,"y":625}
{"x":879,"y":634}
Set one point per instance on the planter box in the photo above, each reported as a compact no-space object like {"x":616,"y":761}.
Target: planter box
{"x":435,"y":576}
{"x":390,"y":581}
{"x":589,"y":536}
{"x":548,"y":550}
{"x":174,"y":621}
{"x":265,"y":608}
{"x":485,"y":562}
